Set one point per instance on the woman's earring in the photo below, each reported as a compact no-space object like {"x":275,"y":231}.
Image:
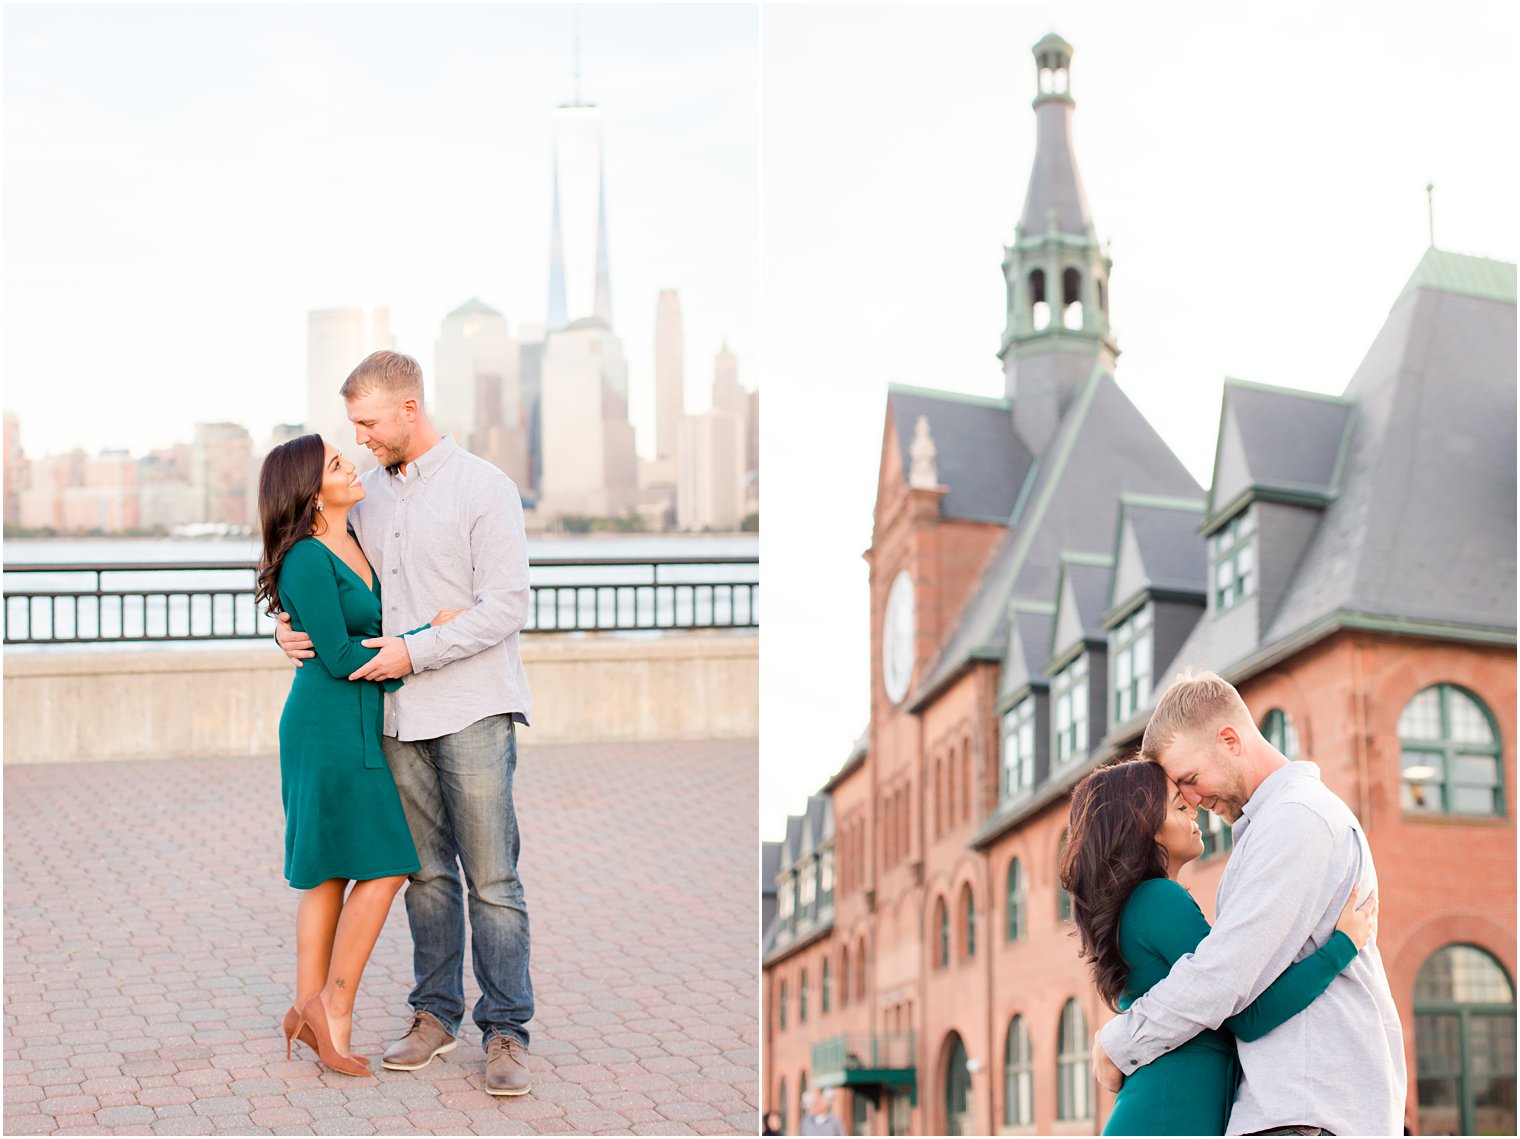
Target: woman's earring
{"x":319,"y":506}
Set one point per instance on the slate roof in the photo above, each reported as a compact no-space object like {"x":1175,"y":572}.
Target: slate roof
{"x":1054,"y":181}
{"x":1157,"y":548}
{"x":1103,"y":448}
{"x":1424,"y":526}
{"x":1421,"y":529}
{"x":1028,"y":647}
{"x":1083,"y":595}
{"x":770,"y":867}
{"x":980,"y":459}
{"x":1277,"y":441}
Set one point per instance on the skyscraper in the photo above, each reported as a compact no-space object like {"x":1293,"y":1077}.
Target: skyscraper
{"x":336,"y":340}
{"x":669,"y":375}
{"x":477,"y":394}
{"x":578,"y":283}
{"x":588,"y":456}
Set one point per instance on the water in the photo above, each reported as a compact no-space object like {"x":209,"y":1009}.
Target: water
{"x":213,"y":606}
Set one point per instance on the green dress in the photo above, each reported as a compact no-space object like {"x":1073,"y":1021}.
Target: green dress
{"x":1190,"y":1090}
{"x":343,"y":817}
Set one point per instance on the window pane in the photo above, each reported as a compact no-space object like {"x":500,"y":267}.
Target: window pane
{"x":1470,"y":801}
{"x":1468,"y":724}
{"x":1421,"y":720}
{"x":1475,"y":770}
{"x":1463,"y":974}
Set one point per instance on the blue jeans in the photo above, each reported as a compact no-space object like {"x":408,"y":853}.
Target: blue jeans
{"x":457,"y":794}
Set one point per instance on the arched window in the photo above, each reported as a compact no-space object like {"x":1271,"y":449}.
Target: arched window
{"x":802,"y":1104}
{"x":1464,"y":1043}
{"x":1039,"y":304}
{"x":860,"y":971}
{"x":968,"y":920}
{"x":942,"y":923}
{"x":957,"y":1088}
{"x":939,"y":797}
{"x":1071,"y":299}
{"x":965,"y":780}
{"x":1017,"y":919}
{"x":1018,"y":1076}
{"x":1450,"y":754}
{"x":1102,"y":295}
{"x":1280,"y":733}
{"x":802,"y":987}
{"x":781,"y":1007}
{"x":1074,"y":1065}
{"x":844,"y":976}
{"x":782,"y":1105}
{"x":1217,"y":835}
{"x":826,"y":990}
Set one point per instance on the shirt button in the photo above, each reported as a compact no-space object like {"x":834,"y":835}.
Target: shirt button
{"x":397,"y":534}
{"x":393,"y":571}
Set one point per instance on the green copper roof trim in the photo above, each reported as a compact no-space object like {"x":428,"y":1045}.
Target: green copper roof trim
{"x":949,"y":397}
{"x":1160,"y":502}
{"x":1312,"y":498}
{"x":1444,"y":272}
{"x":1153,"y":591}
{"x":1081,"y":558}
{"x":1031,"y":605}
{"x":1006,"y":703}
{"x":1043,"y":341}
{"x":1294,"y":393}
{"x":1029,"y":480}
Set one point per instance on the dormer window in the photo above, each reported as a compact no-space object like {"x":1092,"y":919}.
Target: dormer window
{"x":1131,"y":653}
{"x":809,"y":888}
{"x":1018,"y":748}
{"x":1069,"y":692}
{"x":826,"y":878}
{"x":1232,"y":556}
{"x":787,"y":900}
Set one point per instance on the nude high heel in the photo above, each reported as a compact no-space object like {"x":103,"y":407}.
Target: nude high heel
{"x":305,"y":1035}
{"x":315,"y":1016}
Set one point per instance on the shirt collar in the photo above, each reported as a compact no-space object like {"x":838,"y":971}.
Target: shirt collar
{"x":426,"y":464}
{"x":1278,"y":783}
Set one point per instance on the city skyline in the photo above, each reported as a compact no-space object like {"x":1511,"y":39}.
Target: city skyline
{"x":307,"y":177}
{"x":1261,"y":215}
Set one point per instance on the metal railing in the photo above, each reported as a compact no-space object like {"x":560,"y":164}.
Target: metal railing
{"x":59,"y":603}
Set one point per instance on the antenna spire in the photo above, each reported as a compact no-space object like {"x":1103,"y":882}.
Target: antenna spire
{"x":1430,"y":210}
{"x":577,"y":56}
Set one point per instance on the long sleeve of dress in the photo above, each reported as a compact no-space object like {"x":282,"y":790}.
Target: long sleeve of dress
{"x":1172,"y":925}
{"x":309,"y":593}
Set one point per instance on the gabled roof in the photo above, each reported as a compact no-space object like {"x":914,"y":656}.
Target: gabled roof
{"x":791,"y":849}
{"x":770,"y":866}
{"x":1277,"y":443}
{"x":1081,"y":594}
{"x":820,"y":820}
{"x":981,"y":461}
{"x":1421,"y":533}
{"x":1028,"y":647}
{"x":1424,"y":526}
{"x":1157,"y":549}
{"x":1102,"y":448}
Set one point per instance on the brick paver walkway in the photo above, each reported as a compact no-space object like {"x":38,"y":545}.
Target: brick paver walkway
{"x":149,"y":956}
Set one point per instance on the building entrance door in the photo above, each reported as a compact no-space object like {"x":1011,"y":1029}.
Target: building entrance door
{"x":957,"y":1088}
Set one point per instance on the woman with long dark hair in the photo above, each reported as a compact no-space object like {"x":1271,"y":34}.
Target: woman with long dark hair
{"x":343,"y":817}
{"x":1131,"y":832}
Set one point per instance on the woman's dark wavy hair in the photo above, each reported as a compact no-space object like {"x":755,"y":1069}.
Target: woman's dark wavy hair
{"x":288,"y":484}
{"x":1111,"y":848}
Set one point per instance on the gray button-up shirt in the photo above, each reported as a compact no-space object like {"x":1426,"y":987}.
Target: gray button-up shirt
{"x":1339,"y":1064}
{"x":449,"y":535}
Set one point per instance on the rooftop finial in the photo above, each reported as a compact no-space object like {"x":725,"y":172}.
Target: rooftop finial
{"x":1430,"y":210}
{"x":577,"y":57}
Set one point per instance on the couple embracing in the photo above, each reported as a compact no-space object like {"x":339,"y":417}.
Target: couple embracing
{"x":1279,"y":1020}
{"x":403,"y":592}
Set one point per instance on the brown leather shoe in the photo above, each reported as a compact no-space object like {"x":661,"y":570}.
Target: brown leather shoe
{"x":425,"y":1039}
{"x":506,"y":1072}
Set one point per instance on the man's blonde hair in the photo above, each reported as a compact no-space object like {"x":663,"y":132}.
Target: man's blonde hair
{"x":389,"y":372}
{"x":1192,"y":703}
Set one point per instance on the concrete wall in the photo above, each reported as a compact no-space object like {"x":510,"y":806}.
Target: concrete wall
{"x":71,"y":706}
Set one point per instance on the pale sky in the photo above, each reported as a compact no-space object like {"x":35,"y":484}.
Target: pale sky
{"x":183,"y":183}
{"x":1259,"y":171}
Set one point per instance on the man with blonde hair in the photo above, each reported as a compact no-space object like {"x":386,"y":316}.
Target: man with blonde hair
{"x":1337,"y":1067}
{"x":443,"y":530}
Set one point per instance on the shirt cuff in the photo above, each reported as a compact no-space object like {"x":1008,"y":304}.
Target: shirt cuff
{"x":1116,"y":1041}
{"x":422,"y":647}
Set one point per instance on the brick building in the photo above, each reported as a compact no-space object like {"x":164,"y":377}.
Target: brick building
{"x":1040,"y":566}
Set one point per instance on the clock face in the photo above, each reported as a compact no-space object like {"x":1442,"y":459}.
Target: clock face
{"x":897,"y":639}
